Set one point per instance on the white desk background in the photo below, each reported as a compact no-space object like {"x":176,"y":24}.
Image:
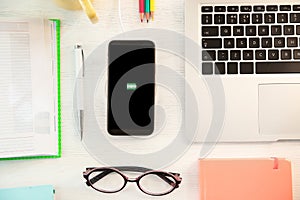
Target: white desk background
{"x":66,"y":173}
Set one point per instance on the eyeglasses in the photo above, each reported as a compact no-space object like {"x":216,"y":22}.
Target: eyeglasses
{"x":151,"y":182}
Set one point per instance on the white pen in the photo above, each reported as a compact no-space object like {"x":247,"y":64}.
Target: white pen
{"x":79,"y":67}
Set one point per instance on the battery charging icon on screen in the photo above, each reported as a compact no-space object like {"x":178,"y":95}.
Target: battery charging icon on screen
{"x":131,"y":86}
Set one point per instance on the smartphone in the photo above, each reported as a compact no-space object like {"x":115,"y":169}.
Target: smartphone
{"x":131,"y":87}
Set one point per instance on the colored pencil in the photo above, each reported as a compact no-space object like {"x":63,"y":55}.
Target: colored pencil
{"x":152,"y":8}
{"x":147,"y":9}
{"x":142,"y":9}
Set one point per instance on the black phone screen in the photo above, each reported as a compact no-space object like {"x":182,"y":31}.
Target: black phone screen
{"x":131,"y":87}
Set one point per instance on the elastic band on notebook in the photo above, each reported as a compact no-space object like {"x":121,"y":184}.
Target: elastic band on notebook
{"x":275,"y":166}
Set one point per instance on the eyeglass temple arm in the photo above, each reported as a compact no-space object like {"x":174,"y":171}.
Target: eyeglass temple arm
{"x":132,"y":169}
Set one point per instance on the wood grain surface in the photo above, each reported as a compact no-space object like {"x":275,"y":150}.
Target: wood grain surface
{"x":65,"y":174}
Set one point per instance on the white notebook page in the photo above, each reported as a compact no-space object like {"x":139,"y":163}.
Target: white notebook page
{"x":15,"y":82}
{"x":27,"y":96}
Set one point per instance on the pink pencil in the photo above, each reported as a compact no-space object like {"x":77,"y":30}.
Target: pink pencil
{"x":142,"y":9}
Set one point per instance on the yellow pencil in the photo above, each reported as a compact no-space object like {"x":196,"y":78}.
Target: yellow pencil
{"x":152,"y":8}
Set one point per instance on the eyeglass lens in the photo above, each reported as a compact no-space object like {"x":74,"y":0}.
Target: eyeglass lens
{"x":110,"y":182}
{"x":158,"y":183}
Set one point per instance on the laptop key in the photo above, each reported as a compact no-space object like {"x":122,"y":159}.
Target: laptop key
{"x":263,"y":30}
{"x":256,"y":18}
{"x":215,"y":43}
{"x":276,"y":30}
{"x":277,"y":67}
{"x":298,"y":29}
{"x":209,"y":55}
{"x":285,"y":8}
{"x":282,"y":18}
{"x":260,"y":54}
{"x":233,"y":9}
{"x":246,"y":68}
{"x":231,"y":18}
{"x":246,"y":8}
{"x":206,"y":19}
{"x":269,"y":18}
{"x":288,"y":30}
{"x":207,"y":68}
{"x":273,"y":54}
{"x":235,"y":55}
{"x":272,"y":8}
{"x":232,"y":68}
{"x":219,"y":19}
{"x":250,"y":30}
{"x":241,"y":42}
{"x":225,"y":31}
{"x":254,"y":42}
{"x":295,"y":17}
{"x":296,"y":7}
{"x":292,"y":42}
{"x":220,"y":9}
{"x":222,"y":55}
{"x":238,"y":31}
{"x":286,"y":54}
{"x":228,"y":43}
{"x":296,"y":54}
{"x":206,"y":9}
{"x":248,"y":55}
{"x":210,"y":31}
{"x":220,"y":68}
{"x":259,"y":8}
{"x":244,"y":18}
{"x":266,"y":42}
{"x":279,"y":42}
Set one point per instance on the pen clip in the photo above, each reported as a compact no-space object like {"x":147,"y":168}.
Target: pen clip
{"x":82,"y":67}
{"x":83,"y":64}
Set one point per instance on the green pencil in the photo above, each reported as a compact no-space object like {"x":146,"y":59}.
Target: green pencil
{"x":147,"y":9}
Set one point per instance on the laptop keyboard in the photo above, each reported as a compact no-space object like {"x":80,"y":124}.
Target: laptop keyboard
{"x":257,"y":39}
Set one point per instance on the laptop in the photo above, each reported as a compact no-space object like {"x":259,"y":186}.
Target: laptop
{"x":253,"y":50}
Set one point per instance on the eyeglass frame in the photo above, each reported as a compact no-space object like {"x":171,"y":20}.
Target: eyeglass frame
{"x":145,"y":171}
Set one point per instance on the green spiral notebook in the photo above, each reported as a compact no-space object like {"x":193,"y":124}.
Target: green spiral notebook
{"x":30,"y":120}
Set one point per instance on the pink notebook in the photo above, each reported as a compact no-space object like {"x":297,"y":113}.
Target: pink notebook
{"x":245,"y":179}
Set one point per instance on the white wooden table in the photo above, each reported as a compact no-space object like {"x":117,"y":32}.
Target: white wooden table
{"x":66,"y":173}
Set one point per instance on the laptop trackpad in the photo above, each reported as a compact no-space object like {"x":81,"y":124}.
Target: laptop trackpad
{"x":279,"y":109}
